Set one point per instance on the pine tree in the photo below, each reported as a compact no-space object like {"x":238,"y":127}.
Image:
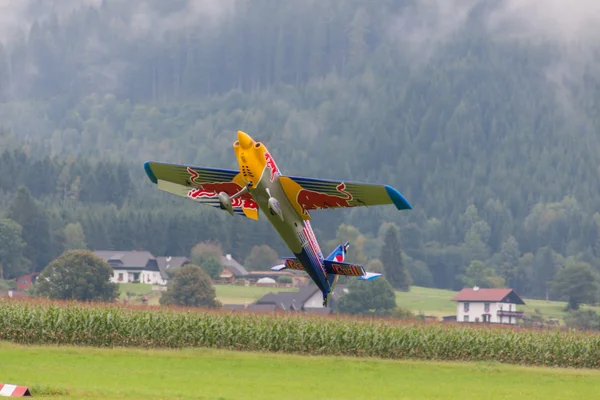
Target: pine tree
{"x":36,"y":228}
{"x":393,"y":262}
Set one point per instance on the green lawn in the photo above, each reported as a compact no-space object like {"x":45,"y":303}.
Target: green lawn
{"x":138,"y":289}
{"x":427,"y":301}
{"x":231,"y":294}
{"x":74,"y":373}
{"x":227,"y":294}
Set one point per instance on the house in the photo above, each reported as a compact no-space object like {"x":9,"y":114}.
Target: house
{"x":133,"y":266}
{"x":488,"y":305}
{"x":24,"y":282}
{"x":308,"y":299}
{"x":169,"y":263}
{"x":232,"y":270}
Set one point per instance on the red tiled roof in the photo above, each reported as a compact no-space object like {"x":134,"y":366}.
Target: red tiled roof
{"x":468,"y":294}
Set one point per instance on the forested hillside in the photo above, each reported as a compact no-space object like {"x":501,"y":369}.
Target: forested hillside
{"x":483,"y":114}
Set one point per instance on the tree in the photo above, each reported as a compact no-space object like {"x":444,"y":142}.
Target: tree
{"x":36,"y":228}
{"x":77,"y":275}
{"x":375,"y":265}
{"x":510,"y":255}
{"x":12,"y":245}
{"x":190,"y":286}
{"x":212,"y":266}
{"x":583,"y":319}
{"x":208,"y":255}
{"x":392,"y":259}
{"x":74,"y":236}
{"x":261,"y":258}
{"x":476,"y":274}
{"x":368,"y":298}
{"x":577,"y":283}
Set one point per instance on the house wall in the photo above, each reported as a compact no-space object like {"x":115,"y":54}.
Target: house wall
{"x":477,"y":309}
{"x":506,"y":307}
{"x":152,"y":277}
{"x":146,"y":277}
{"x":314,"y":301}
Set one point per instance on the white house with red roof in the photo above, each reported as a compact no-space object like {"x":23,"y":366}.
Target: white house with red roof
{"x":497,"y":306}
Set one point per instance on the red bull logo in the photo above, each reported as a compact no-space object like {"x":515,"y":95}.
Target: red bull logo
{"x":212,"y":189}
{"x":292,"y":263}
{"x":346,"y":269}
{"x":309,"y":200}
{"x":272,"y":166}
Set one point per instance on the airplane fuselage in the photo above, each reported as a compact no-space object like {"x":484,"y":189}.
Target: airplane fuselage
{"x":261,"y":172}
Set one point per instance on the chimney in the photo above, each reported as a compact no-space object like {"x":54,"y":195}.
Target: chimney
{"x":475,"y":288}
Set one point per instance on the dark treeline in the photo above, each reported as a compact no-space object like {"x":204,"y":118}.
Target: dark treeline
{"x":499,"y":162}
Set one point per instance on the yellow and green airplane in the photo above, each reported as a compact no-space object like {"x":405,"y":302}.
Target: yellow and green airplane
{"x":284,"y":200}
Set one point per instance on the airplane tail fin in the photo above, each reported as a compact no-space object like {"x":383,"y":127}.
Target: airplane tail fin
{"x":339,"y":253}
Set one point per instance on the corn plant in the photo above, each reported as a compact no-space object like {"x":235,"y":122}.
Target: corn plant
{"x":45,"y":322}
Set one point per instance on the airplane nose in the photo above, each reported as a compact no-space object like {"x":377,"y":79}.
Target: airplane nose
{"x":244,"y":140}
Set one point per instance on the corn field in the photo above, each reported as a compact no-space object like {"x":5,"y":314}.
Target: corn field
{"x":39,"y":322}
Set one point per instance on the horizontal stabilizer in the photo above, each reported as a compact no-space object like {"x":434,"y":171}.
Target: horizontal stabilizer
{"x":289,"y":263}
{"x":340,"y":268}
{"x":369,"y":276}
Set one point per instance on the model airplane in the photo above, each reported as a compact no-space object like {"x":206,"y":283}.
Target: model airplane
{"x":284,"y":200}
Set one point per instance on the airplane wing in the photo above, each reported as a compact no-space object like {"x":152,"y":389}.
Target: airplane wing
{"x":202,"y":185}
{"x":313,"y":194}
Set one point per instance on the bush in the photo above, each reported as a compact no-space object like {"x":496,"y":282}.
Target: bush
{"x":190,"y":286}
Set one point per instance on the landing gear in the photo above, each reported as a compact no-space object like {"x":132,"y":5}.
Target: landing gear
{"x":225,"y":199}
{"x":326,"y":298}
{"x":274,"y":207}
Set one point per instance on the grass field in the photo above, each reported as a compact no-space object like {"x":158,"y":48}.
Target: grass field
{"x":428,"y":301}
{"x":73,"y":373}
{"x":226,"y":294}
{"x":231,"y":294}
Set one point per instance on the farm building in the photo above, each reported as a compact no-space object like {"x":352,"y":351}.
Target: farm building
{"x":24,"y":282}
{"x":308,"y":298}
{"x":497,"y":306}
{"x":133,"y":266}
{"x":167,"y":264}
{"x":232,"y":270}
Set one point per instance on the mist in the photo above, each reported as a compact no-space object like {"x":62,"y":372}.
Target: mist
{"x":569,"y":31}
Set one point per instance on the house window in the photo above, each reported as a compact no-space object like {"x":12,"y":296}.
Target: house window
{"x":466,"y":308}
{"x":486,"y":307}
{"x":466,"y":318}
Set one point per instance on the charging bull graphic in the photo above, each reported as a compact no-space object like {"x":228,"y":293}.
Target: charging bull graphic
{"x":307,"y":199}
{"x":272,"y":166}
{"x":212,"y":189}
